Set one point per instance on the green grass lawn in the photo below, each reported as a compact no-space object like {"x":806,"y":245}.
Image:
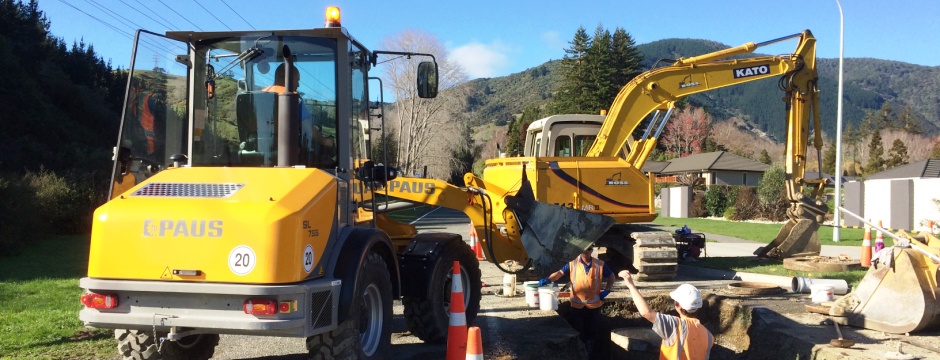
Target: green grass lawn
{"x":39,"y":311}
{"x":773,"y":267}
{"x":758,"y":232}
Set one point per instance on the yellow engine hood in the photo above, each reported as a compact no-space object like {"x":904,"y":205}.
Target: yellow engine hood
{"x":234,"y":225}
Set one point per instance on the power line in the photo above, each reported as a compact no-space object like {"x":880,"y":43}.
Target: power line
{"x":168,"y":24}
{"x":181,"y":15}
{"x":128,"y":23}
{"x":213,"y":15}
{"x":237,"y":14}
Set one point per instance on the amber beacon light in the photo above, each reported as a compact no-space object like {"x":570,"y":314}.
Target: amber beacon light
{"x":332,"y":17}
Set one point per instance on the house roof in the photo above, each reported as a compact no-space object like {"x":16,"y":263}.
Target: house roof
{"x":929,"y":168}
{"x":655,"y":167}
{"x":713,"y":161}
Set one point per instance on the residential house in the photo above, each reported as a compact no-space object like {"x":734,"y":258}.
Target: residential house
{"x":905,"y":197}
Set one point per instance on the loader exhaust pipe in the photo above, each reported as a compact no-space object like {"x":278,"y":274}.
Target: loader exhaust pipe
{"x":287,"y":112}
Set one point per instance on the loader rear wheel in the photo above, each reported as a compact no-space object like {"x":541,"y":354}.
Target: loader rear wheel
{"x":137,"y":344}
{"x":429,"y":318}
{"x":366,"y":333}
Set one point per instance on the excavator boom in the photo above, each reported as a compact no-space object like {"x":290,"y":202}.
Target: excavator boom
{"x":658,"y":90}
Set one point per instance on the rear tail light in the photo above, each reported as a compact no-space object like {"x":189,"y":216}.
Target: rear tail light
{"x":260,"y":307}
{"x":99,"y":301}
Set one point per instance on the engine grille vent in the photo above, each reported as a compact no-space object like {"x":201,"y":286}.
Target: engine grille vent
{"x":322,"y":309}
{"x":188,"y":190}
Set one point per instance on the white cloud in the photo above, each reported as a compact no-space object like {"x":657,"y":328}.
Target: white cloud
{"x":481,"y":60}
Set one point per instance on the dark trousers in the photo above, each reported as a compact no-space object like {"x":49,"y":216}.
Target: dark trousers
{"x":585,"y":321}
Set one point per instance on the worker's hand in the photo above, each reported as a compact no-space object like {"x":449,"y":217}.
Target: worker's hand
{"x":543,"y":282}
{"x":625,"y":275}
{"x":604,"y":294}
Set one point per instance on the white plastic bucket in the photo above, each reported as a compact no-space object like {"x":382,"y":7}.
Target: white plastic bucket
{"x":548,"y":299}
{"x":509,"y":285}
{"x":821,"y":293}
{"x":531,"y":293}
{"x":803,"y":285}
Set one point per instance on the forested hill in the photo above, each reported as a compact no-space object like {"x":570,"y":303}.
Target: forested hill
{"x":867,"y":84}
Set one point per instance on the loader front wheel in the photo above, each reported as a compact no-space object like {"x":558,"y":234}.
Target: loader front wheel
{"x":366,"y":332}
{"x":137,"y":344}
{"x":428,"y":317}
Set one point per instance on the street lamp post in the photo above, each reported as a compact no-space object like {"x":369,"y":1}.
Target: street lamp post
{"x":837,"y":212}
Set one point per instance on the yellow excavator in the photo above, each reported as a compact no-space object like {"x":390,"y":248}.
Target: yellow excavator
{"x":604,"y":177}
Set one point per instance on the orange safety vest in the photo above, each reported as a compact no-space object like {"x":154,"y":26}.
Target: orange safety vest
{"x":586,"y":287}
{"x":146,"y":122}
{"x":275,"y":89}
{"x":692,"y":342}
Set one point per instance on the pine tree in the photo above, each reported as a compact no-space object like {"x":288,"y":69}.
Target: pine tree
{"x":514,"y":144}
{"x":626,"y":58}
{"x":765,"y":157}
{"x":885,"y":117}
{"x":876,"y":151}
{"x":829,"y":159}
{"x":573,"y":71}
{"x":897,"y":156}
{"x":599,"y":59}
{"x":909,"y":122}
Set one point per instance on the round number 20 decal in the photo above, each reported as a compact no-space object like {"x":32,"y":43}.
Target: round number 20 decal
{"x":241,"y":260}
{"x":308,"y":259}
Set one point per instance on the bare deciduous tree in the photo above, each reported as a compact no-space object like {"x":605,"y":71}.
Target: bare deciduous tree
{"x":685,"y":134}
{"x":426,"y":128}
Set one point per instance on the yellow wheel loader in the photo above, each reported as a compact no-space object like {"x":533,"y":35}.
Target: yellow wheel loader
{"x":243,"y":201}
{"x":592,"y":162}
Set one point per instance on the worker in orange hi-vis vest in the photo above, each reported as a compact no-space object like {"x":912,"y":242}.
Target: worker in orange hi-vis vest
{"x":586,"y":273}
{"x":684,"y":336}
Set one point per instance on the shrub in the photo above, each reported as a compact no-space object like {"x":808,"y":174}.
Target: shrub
{"x":729,"y":213}
{"x":43,"y":203}
{"x":746,"y":205}
{"x":698,"y":205}
{"x":716,"y":199}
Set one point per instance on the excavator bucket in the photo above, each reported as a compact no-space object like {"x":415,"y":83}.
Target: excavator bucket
{"x":554,"y":235}
{"x":796,"y":238}
{"x":897,"y":295}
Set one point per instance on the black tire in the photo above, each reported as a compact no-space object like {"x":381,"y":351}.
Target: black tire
{"x":141,"y":345}
{"x":367,"y":331}
{"x":429,"y":318}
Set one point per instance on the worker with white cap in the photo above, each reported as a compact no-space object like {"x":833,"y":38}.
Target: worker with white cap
{"x":684,"y":337}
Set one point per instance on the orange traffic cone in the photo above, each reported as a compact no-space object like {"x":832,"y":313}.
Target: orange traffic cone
{"x":457,"y":331}
{"x":880,"y":239}
{"x":866,"y":247}
{"x":475,"y":243}
{"x":474,"y":344}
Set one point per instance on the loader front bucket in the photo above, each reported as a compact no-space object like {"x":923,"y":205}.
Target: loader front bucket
{"x":796,"y":238}
{"x":554,"y":235}
{"x":897,"y":298}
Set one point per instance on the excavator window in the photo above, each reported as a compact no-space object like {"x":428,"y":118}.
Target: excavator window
{"x":582,"y":143}
{"x":563,"y":146}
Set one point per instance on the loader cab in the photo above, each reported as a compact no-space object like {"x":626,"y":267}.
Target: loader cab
{"x":212,"y":100}
{"x":562,"y":135}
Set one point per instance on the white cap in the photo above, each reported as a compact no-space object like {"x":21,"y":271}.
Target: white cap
{"x":688,"y":297}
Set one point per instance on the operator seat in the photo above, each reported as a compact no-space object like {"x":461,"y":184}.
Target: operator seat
{"x":256,"y":114}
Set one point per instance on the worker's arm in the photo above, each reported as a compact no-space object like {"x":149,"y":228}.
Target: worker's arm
{"x":641,"y":306}
{"x":556,"y":275}
{"x":610,"y":281}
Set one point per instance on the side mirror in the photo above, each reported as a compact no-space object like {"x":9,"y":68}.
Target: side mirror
{"x":427,"y":79}
{"x":369,"y":172}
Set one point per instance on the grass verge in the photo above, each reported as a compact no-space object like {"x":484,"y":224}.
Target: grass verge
{"x":39,"y":313}
{"x":757,"y":231}
{"x":773,"y":267}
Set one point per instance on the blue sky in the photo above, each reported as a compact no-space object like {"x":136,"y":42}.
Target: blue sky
{"x":496,"y":38}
